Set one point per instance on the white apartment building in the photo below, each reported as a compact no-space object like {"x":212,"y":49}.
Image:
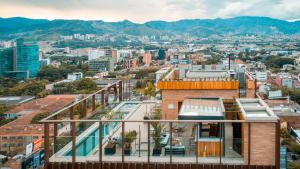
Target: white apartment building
{"x":96,"y":53}
{"x":75,"y":76}
{"x":261,"y":76}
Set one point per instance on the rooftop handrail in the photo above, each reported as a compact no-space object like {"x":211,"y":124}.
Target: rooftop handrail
{"x":161,"y":121}
{"x":76,"y":102}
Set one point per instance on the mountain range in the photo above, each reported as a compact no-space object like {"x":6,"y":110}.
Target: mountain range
{"x":42,"y":28}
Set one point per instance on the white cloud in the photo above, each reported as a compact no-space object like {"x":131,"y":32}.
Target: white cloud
{"x":145,"y":10}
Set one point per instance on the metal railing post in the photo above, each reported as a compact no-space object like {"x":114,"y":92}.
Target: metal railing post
{"x":120,"y":91}
{"x":100,"y":142}
{"x":148,"y":141}
{"x":197,"y":137}
{"x":123,"y":133}
{"x":123,"y":90}
{"x":102,"y":98}
{"x":221,"y":146}
{"x":55,"y":135}
{"x":221,"y":135}
{"x":255,"y":89}
{"x":171,"y":138}
{"x":277,"y":144}
{"x":129,"y":90}
{"x":71,"y":114}
{"x":139,"y":140}
{"x":249,"y":143}
{"x":46,"y":144}
{"x":94,"y":102}
{"x":84,"y":110}
{"x":73,"y":131}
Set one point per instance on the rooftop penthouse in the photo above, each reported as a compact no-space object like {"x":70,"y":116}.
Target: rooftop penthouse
{"x":207,"y":132}
{"x":179,"y":84}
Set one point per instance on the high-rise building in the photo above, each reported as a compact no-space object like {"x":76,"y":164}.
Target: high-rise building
{"x":161,"y":54}
{"x":102,"y":64}
{"x":21,"y":61}
{"x":147,"y":58}
{"x":26,"y":61}
{"x":6,"y":60}
{"x":96,"y":53}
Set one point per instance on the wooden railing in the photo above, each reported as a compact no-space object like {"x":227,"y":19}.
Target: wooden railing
{"x":198,"y":85}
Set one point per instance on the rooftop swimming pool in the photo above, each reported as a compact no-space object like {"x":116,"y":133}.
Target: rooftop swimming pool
{"x":89,"y":139}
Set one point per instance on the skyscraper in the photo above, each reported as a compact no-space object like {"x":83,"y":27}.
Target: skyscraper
{"x":26,"y":60}
{"x":6,"y":60}
{"x":21,"y":61}
{"x":161,"y":54}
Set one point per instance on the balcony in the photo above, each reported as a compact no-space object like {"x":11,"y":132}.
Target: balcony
{"x":114,"y":131}
{"x":106,"y":141}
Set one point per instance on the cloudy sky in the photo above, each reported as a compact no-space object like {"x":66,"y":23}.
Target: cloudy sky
{"x":145,"y":10}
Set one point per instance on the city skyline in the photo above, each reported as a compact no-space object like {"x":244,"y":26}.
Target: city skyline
{"x":143,"y":11}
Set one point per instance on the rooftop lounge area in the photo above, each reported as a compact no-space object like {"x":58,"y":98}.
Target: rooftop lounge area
{"x":207,"y":131}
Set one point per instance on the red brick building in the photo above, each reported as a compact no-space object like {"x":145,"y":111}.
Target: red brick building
{"x":175,"y":90}
{"x":14,"y":136}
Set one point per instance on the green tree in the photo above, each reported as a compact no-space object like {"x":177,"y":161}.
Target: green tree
{"x":7,"y":82}
{"x":64,"y":88}
{"x":31,"y":88}
{"x":53,"y":74}
{"x":277,"y":61}
{"x":37,"y":118}
{"x":212,"y":60}
{"x":82,"y":86}
{"x":86,"y":84}
{"x":150,"y":89}
{"x":89,"y":73}
{"x":50,"y":73}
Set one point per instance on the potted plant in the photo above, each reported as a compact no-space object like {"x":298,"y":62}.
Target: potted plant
{"x":129,"y":137}
{"x":146,"y":118}
{"x":110,"y":148}
{"x":158,"y":128}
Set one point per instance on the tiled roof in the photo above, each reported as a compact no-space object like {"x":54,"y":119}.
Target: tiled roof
{"x":50,"y":103}
{"x":22,"y":126}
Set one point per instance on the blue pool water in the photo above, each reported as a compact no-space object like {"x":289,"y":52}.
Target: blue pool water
{"x":92,"y":140}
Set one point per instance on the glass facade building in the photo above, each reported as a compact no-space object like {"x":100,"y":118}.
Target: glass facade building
{"x":6,"y":60}
{"x":20,"y":62}
{"x":26,"y":59}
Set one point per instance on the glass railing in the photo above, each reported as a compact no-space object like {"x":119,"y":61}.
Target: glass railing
{"x":147,"y":141}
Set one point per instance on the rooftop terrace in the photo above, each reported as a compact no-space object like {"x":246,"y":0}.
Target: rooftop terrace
{"x":210,"y":141}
